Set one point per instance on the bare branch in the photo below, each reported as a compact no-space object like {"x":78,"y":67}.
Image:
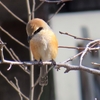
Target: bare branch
{"x":9,"y":53}
{"x":76,"y":37}
{"x":83,"y":68}
{"x":58,"y":1}
{"x":65,"y":65}
{"x":14,"y":54}
{"x":69,"y":47}
{"x":13,"y":38}
{"x":33,"y":9}
{"x":28,"y":9}
{"x":18,"y":88}
{"x":56,"y":11}
{"x":1,"y":51}
{"x":12,"y":13}
{"x":96,"y":64}
{"x":13,"y":85}
{"x":39,"y":6}
{"x":70,"y":59}
{"x":2,"y":57}
{"x":14,"y":59}
{"x":40,"y":93}
{"x":86,"y":49}
{"x":9,"y":67}
{"x":23,"y":67}
{"x":91,"y":48}
{"x":31,"y":58}
{"x":68,"y":67}
{"x":37,"y":81}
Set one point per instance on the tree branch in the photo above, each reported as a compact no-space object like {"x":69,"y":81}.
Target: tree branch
{"x":75,"y":37}
{"x":13,"y":38}
{"x":65,"y":65}
{"x":13,"y":85}
{"x":12,"y":13}
{"x":28,"y":10}
{"x":57,"y":11}
{"x":39,"y":6}
{"x":21,"y":66}
{"x":70,"y":47}
{"x":18,"y":88}
{"x":87,"y":48}
{"x":41,"y":91}
{"x":56,"y":1}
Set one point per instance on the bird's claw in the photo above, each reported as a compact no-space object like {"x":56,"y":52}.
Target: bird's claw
{"x":53,"y":62}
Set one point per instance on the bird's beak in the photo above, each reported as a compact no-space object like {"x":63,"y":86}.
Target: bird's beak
{"x":29,"y":38}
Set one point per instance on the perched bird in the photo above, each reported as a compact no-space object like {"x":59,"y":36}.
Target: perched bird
{"x":43,"y":44}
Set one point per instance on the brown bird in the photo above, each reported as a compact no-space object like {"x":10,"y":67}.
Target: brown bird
{"x":43,"y":44}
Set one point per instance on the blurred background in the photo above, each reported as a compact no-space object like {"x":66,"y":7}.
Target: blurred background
{"x":78,"y":17}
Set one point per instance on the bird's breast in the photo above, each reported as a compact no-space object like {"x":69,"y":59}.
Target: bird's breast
{"x":39,"y":46}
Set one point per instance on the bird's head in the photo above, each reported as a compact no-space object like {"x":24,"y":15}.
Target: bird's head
{"x":35,"y":26}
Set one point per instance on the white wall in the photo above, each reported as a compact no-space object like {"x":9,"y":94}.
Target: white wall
{"x":68,"y":85}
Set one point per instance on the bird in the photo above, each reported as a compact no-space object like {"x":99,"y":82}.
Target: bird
{"x":43,"y":44}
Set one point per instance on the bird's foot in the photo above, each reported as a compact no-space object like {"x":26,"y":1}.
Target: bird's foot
{"x":53,"y":63}
{"x":40,"y":63}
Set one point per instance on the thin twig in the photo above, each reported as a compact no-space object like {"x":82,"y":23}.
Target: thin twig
{"x":37,"y":81}
{"x":75,"y":36}
{"x":28,"y":9}
{"x":39,"y":6}
{"x":69,"y":47}
{"x":12,"y":13}
{"x":10,"y":53}
{"x":23,"y":67}
{"x":91,"y":48}
{"x":13,"y":85}
{"x":9,"y":67}
{"x":70,"y":59}
{"x":56,"y":1}
{"x":41,"y":91}
{"x":13,"y":38}
{"x":56,"y":12}
{"x":18,"y":88}
{"x":74,"y":67}
{"x":86,"y":49}
{"x":1,"y":51}
{"x":96,"y":64}
{"x":14,"y":54}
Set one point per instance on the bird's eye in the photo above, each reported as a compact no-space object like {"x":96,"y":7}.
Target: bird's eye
{"x":38,"y":30}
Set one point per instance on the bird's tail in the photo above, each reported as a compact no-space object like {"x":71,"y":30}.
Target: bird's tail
{"x":43,"y":75}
